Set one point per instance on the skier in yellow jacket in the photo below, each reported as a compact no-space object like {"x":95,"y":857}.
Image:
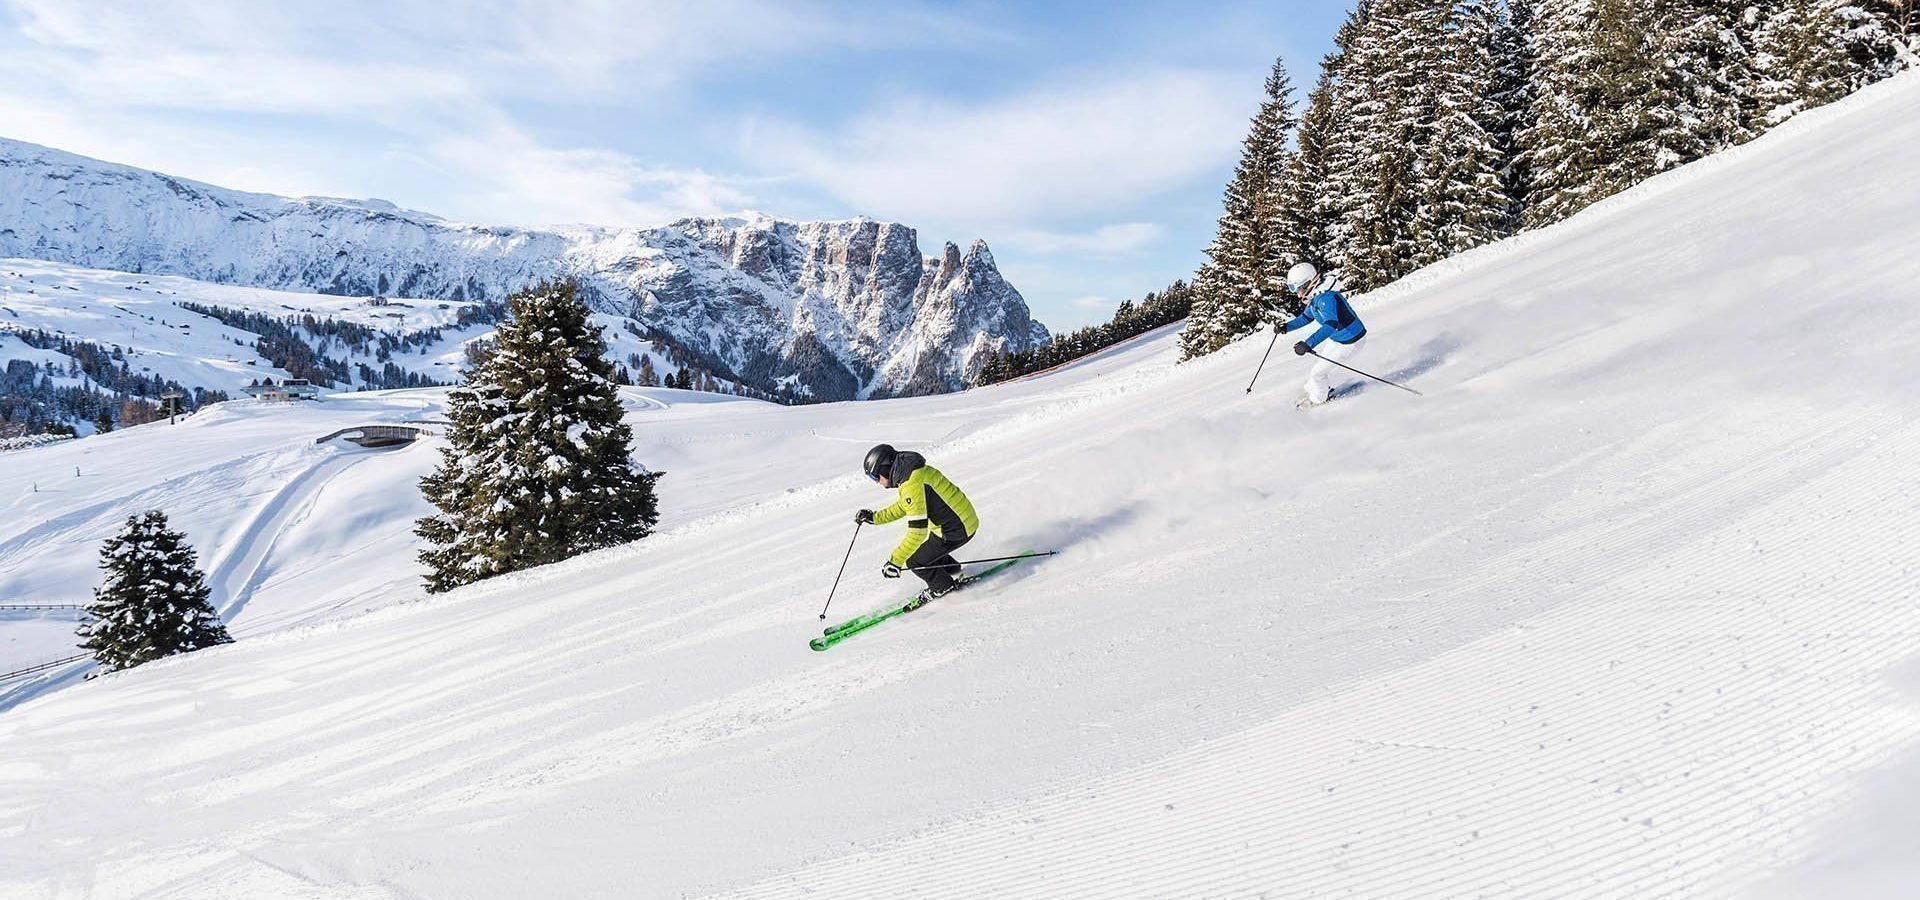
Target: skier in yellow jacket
{"x":939,"y":518}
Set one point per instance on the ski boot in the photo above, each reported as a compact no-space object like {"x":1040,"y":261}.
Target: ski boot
{"x":1307,"y":402}
{"x":929,"y":593}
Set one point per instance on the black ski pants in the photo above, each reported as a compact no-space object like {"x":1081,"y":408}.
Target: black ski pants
{"x":937,"y":553}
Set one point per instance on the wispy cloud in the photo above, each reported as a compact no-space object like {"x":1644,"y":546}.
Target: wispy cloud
{"x":1107,"y":240}
{"x":356,"y":55}
{"x":506,"y":168}
{"x":438,"y":82}
{"x":1078,"y":148}
{"x":1091,"y":302}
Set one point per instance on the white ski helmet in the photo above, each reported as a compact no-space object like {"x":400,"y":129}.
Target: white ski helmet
{"x":1301,"y":277}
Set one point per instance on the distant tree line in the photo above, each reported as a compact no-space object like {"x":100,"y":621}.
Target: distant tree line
{"x":300,"y":344}
{"x":695,"y":372}
{"x":33,"y":402}
{"x":1436,"y":126}
{"x":1130,"y":320}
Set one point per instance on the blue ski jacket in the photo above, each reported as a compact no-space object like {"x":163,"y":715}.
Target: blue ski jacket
{"x":1336,"y":318}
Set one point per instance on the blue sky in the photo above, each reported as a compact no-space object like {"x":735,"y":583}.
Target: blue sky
{"x":1087,"y":143}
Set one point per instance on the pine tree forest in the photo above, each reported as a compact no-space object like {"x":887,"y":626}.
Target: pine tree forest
{"x":537,"y":468}
{"x":1436,"y":126}
{"x":1130,"y":320}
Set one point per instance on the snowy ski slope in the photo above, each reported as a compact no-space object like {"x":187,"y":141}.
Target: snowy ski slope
{"x":1627,"y":605}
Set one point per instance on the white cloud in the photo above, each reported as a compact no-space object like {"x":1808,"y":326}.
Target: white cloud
{"x":1091,"y":302}
{"x":417,"y":102}
{"x":352,"y":56}
{"x":1076,"y":149}
{"x":417,"y":86}
{"x":1107,"y":240}
{"x":507,"y":169}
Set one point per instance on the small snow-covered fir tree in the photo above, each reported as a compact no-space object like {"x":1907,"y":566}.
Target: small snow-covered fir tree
{"x":536,"y":470}
{"x":152,"y":600}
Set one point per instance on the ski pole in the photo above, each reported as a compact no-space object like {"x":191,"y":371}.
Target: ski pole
{"x":1263,"y":358}
{"x":1358,"y":372}
{"x":843,"y":568}
{"x":968,"y":562}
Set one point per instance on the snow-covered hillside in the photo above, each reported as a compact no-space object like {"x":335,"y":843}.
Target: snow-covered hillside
{"x":142,"y":314}
{"x":831,"y":310}
{"x":158,"y":323}
{"x":1626,"y":605}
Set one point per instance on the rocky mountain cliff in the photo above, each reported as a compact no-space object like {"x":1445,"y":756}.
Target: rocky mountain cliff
{"x":818,"y":310}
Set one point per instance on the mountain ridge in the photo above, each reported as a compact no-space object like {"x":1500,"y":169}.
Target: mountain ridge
{"x":829,"y":310}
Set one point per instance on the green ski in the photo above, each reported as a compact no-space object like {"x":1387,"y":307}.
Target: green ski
{"x":837,"y":633}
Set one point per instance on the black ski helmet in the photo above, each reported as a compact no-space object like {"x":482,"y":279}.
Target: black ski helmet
{"x":879,"y":462}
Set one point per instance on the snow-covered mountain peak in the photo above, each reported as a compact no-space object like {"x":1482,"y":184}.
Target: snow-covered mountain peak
{"x":826,"y":309}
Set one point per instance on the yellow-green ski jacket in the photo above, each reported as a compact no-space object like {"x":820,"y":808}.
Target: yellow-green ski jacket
{"x":927,"y":500}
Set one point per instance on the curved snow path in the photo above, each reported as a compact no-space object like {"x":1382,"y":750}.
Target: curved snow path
{"x":240,"y":568}
{"x":244,"y":563}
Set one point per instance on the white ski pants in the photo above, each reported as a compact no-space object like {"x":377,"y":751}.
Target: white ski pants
{"x":1317,"y":384}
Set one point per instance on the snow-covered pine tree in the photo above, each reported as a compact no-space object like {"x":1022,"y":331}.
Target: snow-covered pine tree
{"x":1464,"y":201}
{"x":1707,"y":59}
{"x":1513,"y":74}
{"x":1601,"y":105}
{"x":1647,"y":119}
{"x":152,"y":601}
{"x":1306,"y":212}
{"x":1203,"y":333}
{"x":1332,"y":186}
{"x":1386,"y":85}
{"x":1800,"y":60}
{"x":1247,"y":252}
{"x":537,"y":466}
{"x":1881,"y":37}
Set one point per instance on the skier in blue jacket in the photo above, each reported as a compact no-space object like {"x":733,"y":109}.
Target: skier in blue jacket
{"x":1328,"y":308}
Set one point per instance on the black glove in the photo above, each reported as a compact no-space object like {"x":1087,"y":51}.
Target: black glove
{"x":1283,"y":326}
{"x":864,"y":517}
{"x":1300,"y":348}
{"x":889,"y":570}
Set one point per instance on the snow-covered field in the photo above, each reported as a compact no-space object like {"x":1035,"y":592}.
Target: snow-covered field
{"x":1627,"y":605}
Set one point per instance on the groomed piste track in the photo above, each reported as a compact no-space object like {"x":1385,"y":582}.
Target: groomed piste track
{"x":1628,"y":605}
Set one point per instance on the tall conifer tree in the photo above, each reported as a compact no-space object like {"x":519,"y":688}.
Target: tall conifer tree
{"x":1305,"y":210}
{"x":1513,"y":73}
{"x":536,"y":470}
{"x":1465,"y":203}
{"x":1248,"y":254}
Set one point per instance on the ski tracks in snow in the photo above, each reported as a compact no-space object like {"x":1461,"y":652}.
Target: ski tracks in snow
{"x":243,"y":564}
